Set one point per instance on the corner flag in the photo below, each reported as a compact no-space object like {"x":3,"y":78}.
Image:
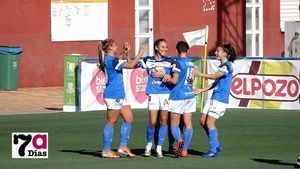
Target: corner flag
{"x":200,"y":38}
{"x":197,"y":37}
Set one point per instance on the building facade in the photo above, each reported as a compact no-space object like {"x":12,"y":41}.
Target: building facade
{"x":252,"y":26}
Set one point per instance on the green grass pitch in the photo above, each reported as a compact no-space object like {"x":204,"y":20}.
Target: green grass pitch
{"x":252,"y":139}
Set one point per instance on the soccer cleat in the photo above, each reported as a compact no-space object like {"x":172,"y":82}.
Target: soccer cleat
{"x":125,"y":151}
{"x":109,"y":154}
{"x":209,"y":154}
{"x":178,"y":148}
{"x":219,"y":148}
{"x":148,"y":150}
{"x":298,"y":161}
{"x":184,"y":153}
{"x":159,"y":151}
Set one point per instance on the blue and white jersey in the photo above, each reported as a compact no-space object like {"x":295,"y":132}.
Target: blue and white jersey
{"x":113,"y":70}
{"x":183,"y":89}
{"x":155,"y":85}
{"x":222,"y":85}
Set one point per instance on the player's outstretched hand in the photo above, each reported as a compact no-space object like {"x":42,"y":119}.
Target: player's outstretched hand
{"x":156,"y":73}
{"x":126,"y":47}
{"x":197,"y":73}
{"x":166,"y":78}
{"x":197,"y":91}
{"x":141,"y":50}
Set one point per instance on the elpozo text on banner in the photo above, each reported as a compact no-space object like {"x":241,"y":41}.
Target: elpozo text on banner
{"x":271,"y":87}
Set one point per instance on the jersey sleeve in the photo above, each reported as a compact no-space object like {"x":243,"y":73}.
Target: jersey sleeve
{"x":118,"y":64}
{"x":224,"y":69}
{"x":176,"y":68}
{"x":214,"y":84}
{"x":142,"y":63}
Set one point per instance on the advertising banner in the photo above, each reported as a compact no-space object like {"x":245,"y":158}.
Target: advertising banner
{"x":135,"y":82}
{"x":263,"y":83}
{"x":93,"y":83}
{"x":256,"y":83}
{"x":70,"y":88}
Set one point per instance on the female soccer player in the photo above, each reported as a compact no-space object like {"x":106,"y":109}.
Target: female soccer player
{"x":182,"y":98}
{"x":114,"y":95}
{"x":215,"y":107}
{"x":158,"y":94}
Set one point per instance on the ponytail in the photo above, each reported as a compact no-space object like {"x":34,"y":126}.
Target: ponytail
{"x":102,"y":49}
{"x":101,"y":55}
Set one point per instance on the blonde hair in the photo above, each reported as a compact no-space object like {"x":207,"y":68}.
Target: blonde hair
{"x":102,"y":49}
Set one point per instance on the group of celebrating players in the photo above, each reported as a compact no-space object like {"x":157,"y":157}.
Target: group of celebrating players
{"x":171,"y":95}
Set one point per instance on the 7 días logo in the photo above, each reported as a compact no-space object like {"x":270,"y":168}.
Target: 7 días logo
{"x":265,"y":87}
{"x":29,"y":145}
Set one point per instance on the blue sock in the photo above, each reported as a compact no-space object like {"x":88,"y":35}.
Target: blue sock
{"x":108,"y":133}
{"x":188,"y":134}
{"x":176,"y":132}
{"x":128,"y":133}
{"x":162,"y":134}
{"x":150,"y":133}
{"x":163,"y":129}
{"x":213,"y":140}
{"x":125,"y":133}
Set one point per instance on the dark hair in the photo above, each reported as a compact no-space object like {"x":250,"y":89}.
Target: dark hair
{"x":157,"y":42}
{"x":182,"y":47}
{"x":229,"y":49}
{"x":102,"y":49}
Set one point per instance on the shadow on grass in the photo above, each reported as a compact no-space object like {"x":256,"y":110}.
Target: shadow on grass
{"x":140,"y":152}
{"x":54,"y":108}
{"x":137,"y":152}
{"x":194,"y":152}
{"x":84,"y":152}
{"x":275,"y":162}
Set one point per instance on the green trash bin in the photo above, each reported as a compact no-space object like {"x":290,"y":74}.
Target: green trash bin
{"x":9,"y":67}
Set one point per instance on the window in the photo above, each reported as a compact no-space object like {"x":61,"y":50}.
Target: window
{"x":254,"y":28}
{"x":289,"y":12}
{"x":144,"y":25}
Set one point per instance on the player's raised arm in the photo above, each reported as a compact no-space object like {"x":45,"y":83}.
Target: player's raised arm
{"x":214,"y":76}
{"x":130,"y":64}
{"x":125,"y":52}
{"x":205,"y":89}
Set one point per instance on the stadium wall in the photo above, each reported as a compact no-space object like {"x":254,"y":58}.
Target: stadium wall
{"x":27,"y":24}
{"x":273,"y":38}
